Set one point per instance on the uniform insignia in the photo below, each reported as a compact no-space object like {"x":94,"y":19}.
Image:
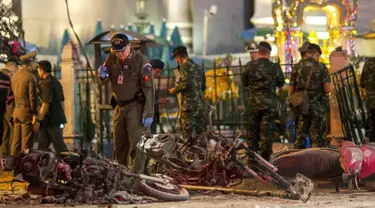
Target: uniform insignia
{"x":126,"y":67}
{"x":147,"y":67}
{"x":117,"y":41}
{"x":146,"y":79}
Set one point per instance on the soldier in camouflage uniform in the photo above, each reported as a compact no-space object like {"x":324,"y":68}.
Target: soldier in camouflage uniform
{"x":319,"y":85}
{"x":262,"y":77}
{"x":253,"y":50}
{"x":367,"y":82}
{"x":191,"y":85}
{"x":292,"y":118}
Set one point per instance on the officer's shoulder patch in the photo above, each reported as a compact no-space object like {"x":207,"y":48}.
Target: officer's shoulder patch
{"x":147,"y":67}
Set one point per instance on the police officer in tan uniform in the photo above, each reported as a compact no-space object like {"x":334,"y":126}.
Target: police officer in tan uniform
{"x":25,"y":114}
{"x":131,"y":78}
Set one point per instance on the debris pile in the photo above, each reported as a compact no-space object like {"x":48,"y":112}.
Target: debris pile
{"x":97,"y":181}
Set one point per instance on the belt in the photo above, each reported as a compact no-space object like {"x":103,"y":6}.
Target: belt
{"x":21,"y":105}
{"x":126,"y":102}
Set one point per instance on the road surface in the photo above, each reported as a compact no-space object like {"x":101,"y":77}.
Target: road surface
{"x":324,"y":196}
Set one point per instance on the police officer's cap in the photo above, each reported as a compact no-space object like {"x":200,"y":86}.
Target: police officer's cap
{"x":265,"y":45}
{"x":253,"y":47}
{"x":179,"y":50}
{"x":314,"y":46}
{"x":28,"y":57}
{"x":304,"y":47}
{"x":157,"y":64}
{"x":119,"y":41}
{"x":13,"y":60}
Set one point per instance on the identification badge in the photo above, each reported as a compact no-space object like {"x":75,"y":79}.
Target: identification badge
{"x":120,"y":79}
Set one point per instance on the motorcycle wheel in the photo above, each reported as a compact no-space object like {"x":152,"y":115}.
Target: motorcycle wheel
{"x":168,"y":192}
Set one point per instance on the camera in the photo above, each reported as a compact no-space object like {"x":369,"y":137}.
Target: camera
{"x":213,"y":9}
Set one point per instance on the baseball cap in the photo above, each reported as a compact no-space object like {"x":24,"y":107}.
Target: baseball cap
{"x":304,"y":47}
{"x":266,"y":45}
{"x":316,"y":47}
{"x":156,"y":63}
{"x":119,"y":41}
{"x":179,"y":49}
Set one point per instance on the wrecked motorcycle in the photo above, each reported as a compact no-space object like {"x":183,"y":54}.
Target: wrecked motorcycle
{"x":201,"y":160}
{"x":220,"y":167}
{"x":358,"y":162}
{"x":193,"y":166}
{"x":50,"y":174}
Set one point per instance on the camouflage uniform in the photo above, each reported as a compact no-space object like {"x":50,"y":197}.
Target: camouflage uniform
{"x":191,"y":85}
{"x":316,"y":95}
{"x":262,"y":77}
{"x":367,"y":82}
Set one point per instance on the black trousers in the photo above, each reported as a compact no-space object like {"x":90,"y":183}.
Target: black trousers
{"x":52,"y":135}
{"x":2,"y":113}
{"x":155,"y":122}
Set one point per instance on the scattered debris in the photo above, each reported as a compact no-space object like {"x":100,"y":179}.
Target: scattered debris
{"x":97,"y":181}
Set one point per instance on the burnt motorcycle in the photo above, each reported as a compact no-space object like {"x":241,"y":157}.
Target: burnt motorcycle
{"x":216,"y":163}
{"x":50,"y":174}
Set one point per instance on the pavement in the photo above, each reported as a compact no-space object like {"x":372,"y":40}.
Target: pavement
{"x":324,"y":196}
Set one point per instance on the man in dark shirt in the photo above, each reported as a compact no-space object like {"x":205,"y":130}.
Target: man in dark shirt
{"x":5,"y":92}
{"x":157,"y":67}
{"x":51,"y":112}
{"x":8,"y":126}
